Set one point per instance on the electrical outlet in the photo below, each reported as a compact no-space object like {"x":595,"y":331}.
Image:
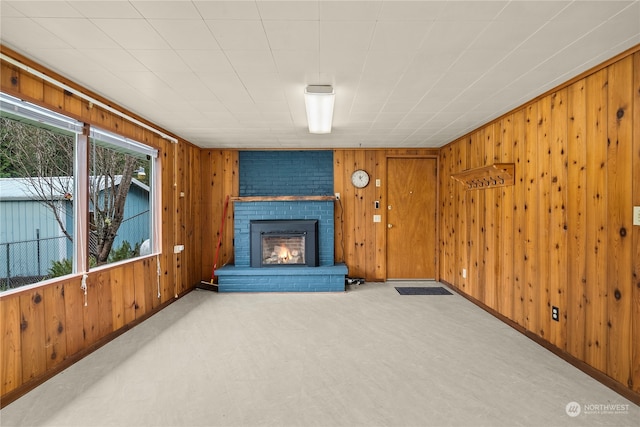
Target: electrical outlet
{"x":378,"y":182}
{"x":464,"y":273}
{"x":555,"y":313}
{"x":636,"y":215}
{"x":377,"y":218}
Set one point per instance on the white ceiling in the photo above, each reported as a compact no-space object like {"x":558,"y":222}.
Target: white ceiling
{"x":231,"y":74}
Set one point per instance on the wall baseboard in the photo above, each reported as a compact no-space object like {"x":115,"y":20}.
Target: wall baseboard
{"x":26,"y":387}
{"x":599,"y":376}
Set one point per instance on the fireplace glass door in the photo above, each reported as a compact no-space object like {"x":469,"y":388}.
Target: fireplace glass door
{"x":283,"y":249}
{"x":275,"y":243}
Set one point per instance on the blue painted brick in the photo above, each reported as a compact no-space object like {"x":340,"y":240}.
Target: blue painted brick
{"x":286,"y":173}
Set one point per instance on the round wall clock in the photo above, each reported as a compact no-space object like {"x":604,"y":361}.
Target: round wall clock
{"x":360,"y":178}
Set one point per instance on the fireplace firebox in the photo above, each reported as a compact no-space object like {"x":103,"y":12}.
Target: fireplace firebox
{"x":279,"y":243}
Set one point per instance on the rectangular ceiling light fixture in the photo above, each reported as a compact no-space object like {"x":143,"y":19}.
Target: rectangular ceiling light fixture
{"x":319,"y":101}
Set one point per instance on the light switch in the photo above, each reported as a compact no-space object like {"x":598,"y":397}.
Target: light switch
{"x":636,"y":215}
{"x":378,"y":182}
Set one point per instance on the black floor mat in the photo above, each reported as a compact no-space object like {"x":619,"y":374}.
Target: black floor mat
{"x":423,"y":291}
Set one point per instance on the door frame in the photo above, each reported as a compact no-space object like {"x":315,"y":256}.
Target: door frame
{"x":437,"y":212}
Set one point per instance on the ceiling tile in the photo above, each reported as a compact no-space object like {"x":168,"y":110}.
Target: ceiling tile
{"x":113,"y":59}
{"x":279,"y":34}
{"x":289,"y":10}
{"x":297,"y":65}
{"x":185,"y":34}
{"x":45,"y":9}
{"x":161,"y":60}
{"x":78,"y":64}
{"x":591,"y":11}
{"x":505,"y":35}
{"x":67,"y":29}
{"x":239,"y":35}
{"x":350,"y":10}
{"x":346,"y":35}
{"x":106,"y":9}
{"x":248,"y":61}
{"x":8,"y":11}
{"x":410,"y":10}
{"x":396,"y":36}
{"x":132,"y":33}
{"x":24,"y":33}
{"x":232,"y":10}
{"x":452,"y":37}
{"x":386,"y":65}
{"x":166,"y":9}
{"x":531,"y":11}
{"x":471,"y":10}
{"x":213,"y":61}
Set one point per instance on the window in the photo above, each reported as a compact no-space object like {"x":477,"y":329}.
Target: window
{"x":120,"y":198}
{"x":37,"y":212}
{"x":46,"y":186}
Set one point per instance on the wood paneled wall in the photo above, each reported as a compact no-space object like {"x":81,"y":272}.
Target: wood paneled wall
{"x":359,"y":242}
{"x":43,"y":329}
{"x":562,"y":235}
{"x":220,"y":179}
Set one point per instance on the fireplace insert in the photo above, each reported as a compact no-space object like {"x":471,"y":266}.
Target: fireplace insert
{"x":278,"y":243}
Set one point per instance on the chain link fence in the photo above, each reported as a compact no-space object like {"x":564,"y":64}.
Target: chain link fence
{"x":31,"y":261}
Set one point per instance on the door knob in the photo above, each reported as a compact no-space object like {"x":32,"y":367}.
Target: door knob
{"x":389,"y":225}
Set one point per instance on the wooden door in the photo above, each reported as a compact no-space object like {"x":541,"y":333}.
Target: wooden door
{"x":411,"y":218}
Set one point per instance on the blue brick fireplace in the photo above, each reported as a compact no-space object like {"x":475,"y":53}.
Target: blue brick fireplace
{"x":268,"y":180}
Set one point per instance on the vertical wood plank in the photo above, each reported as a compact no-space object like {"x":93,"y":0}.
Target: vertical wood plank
{"x":338,"y":211}
{"x":380,"y":241}
{"x":462,"y":217}
{"x":558,"y":218}
{"x":10,"y":345}
{"x":505,"y":237}
{"x":54,"y":311}
{"x":74,"y":319}
{"x":91,"y":312}
{"x":519,"y":244}
{"x":634,"y":382}
{"x":448,"y":235}
{"x":491,"y":226}
{"x":349,"y":220}
{"x":576,"y":214}
{"x":531,"y":218}
{"x":207,"y":213}
{"x":619,"y":208}
{"x":360,"y":220}
{"x":105,"y":304}
{"x":140,"y":298}
{"x":474,"y":236}
{"x":371,"y":229}
{"x":129,"y":294}
{"x":596,"y":285}
{"x":117,"y":298}
{"x":544,"y":213}
{"x":32,"y":334}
